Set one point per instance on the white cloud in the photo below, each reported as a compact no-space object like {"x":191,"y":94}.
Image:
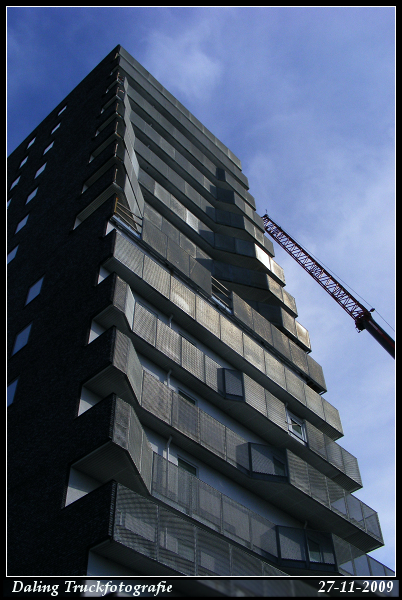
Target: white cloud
{"x":304,"y":97}
{"x":183,"y":64}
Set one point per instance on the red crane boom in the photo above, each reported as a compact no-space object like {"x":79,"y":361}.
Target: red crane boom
{"x":360,"y":314}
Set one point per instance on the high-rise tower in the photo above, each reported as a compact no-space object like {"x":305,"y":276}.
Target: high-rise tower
{"x":165,"y":412}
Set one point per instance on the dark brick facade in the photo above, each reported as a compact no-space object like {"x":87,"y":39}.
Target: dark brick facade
{"x":43,"y":437}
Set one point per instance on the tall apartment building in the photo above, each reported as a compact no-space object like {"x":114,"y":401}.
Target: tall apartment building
{"x":166,"y":416}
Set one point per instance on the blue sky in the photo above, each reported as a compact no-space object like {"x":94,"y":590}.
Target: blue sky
{"x":305,"y":97}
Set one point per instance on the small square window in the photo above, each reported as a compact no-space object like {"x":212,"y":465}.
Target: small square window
{"x":39,"y":171}
{"x":186,"y":397}
{"x":31,"y":195}
{"x":296,"y":426}
{"x":190,"y":341}
{"x":55,"y":128}
{"x":34,"y":290}
{"x":279,"y":467}
{"x":23,"y":162}
{"x":11,"y":391}
{"x":12,"y":254}
{"x":14,"y":183}
{"x":48,"y":148}
{"x":22,"y":339}
{"x":21,"y":223}
{"x":183,"y":464}
{"x":31,"y":142}
{"x":314,"y":551}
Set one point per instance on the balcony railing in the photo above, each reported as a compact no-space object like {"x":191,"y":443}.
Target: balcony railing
{"x":298,"y":488}
{"x":284,"y":546}
{"x":128,"y":218}
{"x":159,"y":534}
{"x":222,"y":295}
{"x":278,"y":378}
{"x":128,"y":458}
{"x":328,"y":493}
{"x":146,"y":533}
{"x":287,"y":547}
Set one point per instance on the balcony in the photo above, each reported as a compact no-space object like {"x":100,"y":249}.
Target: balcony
{"x":251,"y":399}
{"x":149,"y":538}
{"x":294,"y":550}
{"x":203,"y":320}
{"x":124,"y":454}
{"x":265,"y":414}
{"x":297,"y":487}
{"x":127,"y":457}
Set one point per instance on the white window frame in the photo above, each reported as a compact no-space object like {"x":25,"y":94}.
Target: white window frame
{"x":298,"y":422}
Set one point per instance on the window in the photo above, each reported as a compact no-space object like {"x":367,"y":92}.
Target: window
{"x":14,"y":183}
{"x":12,"y":254}
{"x":182,"y":464}
{"x":34,"y":290}
{"x":31,"y":195}
{"x":11,"y":391}
{"x":186,"y":397}
{"x":314,"y":551}
{"x":31,"y":142}
{"x":296,"y":426}
{"x":279,"y":467}
{"x":189,"y":340}
{"x":48,"y":148}
{"x":55,"y":128}
{"x":39,"y":171}
{"x":21,"y":223}
{"x":23,"y":162}
{"x":22,"y":339}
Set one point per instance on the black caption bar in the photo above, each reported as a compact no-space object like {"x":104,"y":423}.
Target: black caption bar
{"x":99,"y":587}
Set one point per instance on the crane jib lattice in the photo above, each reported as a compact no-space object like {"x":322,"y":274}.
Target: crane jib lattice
{"x":340,"y":294}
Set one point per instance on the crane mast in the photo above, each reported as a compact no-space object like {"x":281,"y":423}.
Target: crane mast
{"x":361,"y":315}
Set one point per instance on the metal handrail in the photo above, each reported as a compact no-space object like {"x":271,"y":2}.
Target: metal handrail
{"x":128,"y":217}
